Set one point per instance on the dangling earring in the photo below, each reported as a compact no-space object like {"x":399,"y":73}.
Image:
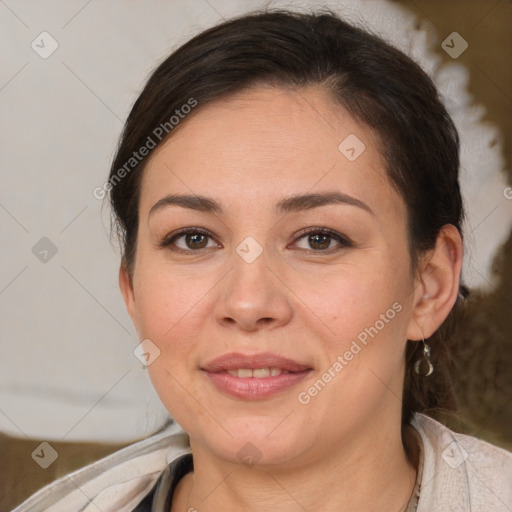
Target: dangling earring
{"x":423,"y":366}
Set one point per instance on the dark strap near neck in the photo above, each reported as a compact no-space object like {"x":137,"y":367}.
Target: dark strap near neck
{"x":159,"y":499}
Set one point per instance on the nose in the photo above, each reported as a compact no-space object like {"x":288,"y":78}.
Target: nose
{"x":254,"y":296}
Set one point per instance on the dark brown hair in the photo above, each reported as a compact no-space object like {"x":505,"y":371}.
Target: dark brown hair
{"x":376,"y":83}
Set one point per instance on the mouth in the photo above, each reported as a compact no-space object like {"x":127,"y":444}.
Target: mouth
{"x":256,"y":376}
{"x":257,"y":373}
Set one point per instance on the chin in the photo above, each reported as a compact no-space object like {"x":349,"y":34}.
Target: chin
{"x":248,"y":451}
{"x":253,"y":441}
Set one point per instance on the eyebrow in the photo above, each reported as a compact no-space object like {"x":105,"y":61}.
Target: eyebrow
{"x":294,"y":203}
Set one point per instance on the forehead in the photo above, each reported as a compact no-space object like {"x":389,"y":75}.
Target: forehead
{"x":267,"y":142}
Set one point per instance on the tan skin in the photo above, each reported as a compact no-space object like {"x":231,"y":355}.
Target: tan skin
{"x":301,"y":298}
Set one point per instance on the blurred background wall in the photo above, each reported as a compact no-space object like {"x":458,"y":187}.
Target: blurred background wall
{"x":69,"y":74}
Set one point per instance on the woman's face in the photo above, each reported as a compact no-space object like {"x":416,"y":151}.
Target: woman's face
{"x":279,"y":291}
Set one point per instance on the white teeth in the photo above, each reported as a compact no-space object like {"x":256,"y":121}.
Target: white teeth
{"x":261,"y":373}
{"x":258,"y":373}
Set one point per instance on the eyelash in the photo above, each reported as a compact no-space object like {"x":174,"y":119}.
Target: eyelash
{"x":344,"y":242}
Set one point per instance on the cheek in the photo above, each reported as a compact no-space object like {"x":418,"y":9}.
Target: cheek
{"x":369,"y":314}
{"x":169,"y":310}
{"x":365,"y":318}
{"x":172,"y":309}
{"x":167,"y":300}
{"x":349,"y":301}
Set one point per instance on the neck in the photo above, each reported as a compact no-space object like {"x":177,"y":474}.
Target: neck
{"x":370,"y":473}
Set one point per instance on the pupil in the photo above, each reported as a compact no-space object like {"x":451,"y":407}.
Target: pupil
{"x":196,"y":239}
{"x":321,"y":239}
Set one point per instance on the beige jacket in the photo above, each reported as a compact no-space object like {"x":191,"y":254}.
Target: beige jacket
{"x":457,"y":473}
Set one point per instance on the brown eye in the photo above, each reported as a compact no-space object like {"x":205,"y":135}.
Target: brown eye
{"x":323,"y":239}
{"x":196,"y":241}
{"x":319,"y":241}
{"x":190,"y":240}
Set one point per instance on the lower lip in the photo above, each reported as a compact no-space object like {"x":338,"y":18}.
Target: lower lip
{"x":251,"y":388}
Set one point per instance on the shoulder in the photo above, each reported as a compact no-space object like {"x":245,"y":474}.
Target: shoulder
{"x":117,"y":482}
{"x":460,"y":472}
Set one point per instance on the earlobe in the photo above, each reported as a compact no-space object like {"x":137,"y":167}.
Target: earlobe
{"x":438,"y":284}
{"x":126,"y":286}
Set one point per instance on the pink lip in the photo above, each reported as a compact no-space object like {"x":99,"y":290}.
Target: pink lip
{"x":265,"y":360}
{"x":252,"y":388}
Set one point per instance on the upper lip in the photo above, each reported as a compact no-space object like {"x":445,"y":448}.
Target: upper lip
{"x":236,"y":360}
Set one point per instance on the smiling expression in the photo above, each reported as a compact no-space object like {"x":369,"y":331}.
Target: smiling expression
{"x":263,"y":252}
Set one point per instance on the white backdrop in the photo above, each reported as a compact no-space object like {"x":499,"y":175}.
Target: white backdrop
{"x":69,"y":74}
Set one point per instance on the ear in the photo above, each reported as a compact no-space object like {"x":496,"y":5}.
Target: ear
{"x":437,"y":284}
{"x":126,"y":286}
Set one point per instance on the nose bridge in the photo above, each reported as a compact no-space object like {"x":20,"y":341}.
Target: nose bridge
{"x":250,"y":281}
{"x":252,"y":294}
